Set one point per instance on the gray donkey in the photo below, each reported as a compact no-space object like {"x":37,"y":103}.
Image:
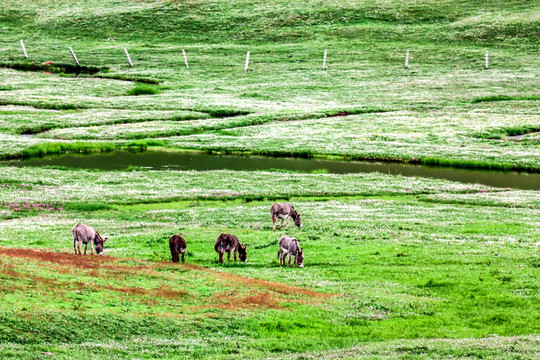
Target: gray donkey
{"x":283,"y":211}
{"x":290,"y":246}
{"x":84,"y":234}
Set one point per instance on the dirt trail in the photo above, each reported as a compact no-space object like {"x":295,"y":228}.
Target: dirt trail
{"x":269,"y":285}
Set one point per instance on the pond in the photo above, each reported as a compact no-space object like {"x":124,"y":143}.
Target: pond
{"x":121,"y":160}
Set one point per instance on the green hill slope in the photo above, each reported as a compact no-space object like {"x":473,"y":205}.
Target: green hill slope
{"x":225,"y":21}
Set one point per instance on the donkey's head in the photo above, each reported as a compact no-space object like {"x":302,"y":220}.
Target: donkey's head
{"x":99,"y":245}
{"x":296,"y":217}
{"x":299,"y":257}
{"x":242,"y":252}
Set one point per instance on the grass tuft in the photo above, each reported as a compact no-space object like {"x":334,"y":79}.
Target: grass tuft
{"x":55,"y":68}
{"x":495,"y":98}
{"x":143,"y":89}
{"x":53,"y":148}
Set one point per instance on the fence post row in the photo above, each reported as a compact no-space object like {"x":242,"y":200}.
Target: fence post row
{"x":247,"y":58}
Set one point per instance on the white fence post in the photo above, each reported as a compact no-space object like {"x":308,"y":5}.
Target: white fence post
{"x":324,"y":59}
{"x":487,"y":59}
{"x":24,"y":50}
{"x":247,"y":62}
{"x":129,"y":59}
{"x":185,"y":58}
{"x":74,"y":57}
{"x":407,"y":59}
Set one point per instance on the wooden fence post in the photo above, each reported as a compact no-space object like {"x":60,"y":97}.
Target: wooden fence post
{"x":24,"y":50}
{"x":407,"y":59}
{"x":247,"y":62}
{"x":74,"y":57}
{"x":185,"y":58}
{"x":129,"y":59}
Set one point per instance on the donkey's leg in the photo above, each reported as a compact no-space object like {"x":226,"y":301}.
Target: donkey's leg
{"x":75,"y":246}
{"x":280,"y":226}
{"x":274,"y":218}
{"x":92,"y":248}
{"x":287,"y":224}
{"x":235,"y":256}
{"x":79,"y":247}
{"x":228,"y":256}
{"x":289,"y":263}
{"x":220,"y":258}
{"x":183,"y":256}
{"x":85,"y":248}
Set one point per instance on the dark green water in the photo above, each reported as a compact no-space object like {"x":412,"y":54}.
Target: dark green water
{"x":121,"y":160}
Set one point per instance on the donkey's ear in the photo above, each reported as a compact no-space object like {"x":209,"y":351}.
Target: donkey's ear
{"x":105,"y":239}
{"x":302,"y":251}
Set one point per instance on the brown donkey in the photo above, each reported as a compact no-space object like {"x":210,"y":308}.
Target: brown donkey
{"x":227,"y":243}
{"x":284,"y":211}
{"x":178,"y":246}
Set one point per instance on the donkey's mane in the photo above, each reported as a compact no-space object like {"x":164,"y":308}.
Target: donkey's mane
{"x":293,"y":213}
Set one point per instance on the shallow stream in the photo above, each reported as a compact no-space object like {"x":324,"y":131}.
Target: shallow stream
{"x":157,"y":160}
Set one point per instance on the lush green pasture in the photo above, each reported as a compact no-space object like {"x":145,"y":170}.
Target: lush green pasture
{"x":386,"y":258}
{"x":396,"y":267}
{"x":444,"y":102}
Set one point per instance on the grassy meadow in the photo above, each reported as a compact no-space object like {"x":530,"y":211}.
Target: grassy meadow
{"x":396,"y":267}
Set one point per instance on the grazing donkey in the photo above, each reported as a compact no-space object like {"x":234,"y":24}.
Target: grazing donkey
{"x":178,"y":246}
{"x":283,"y":211}
{"x":227,"y":243}
{"x":290,"y":246}
{"x":84,"y":234}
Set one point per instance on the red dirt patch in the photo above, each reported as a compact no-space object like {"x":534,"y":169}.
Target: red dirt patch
{"x":233,"y":300}
{"x":80,"y":261}
{"x":95,"y":263}
{"x":256,"y":299}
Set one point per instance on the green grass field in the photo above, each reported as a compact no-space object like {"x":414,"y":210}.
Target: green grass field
{"x":396,"y":267}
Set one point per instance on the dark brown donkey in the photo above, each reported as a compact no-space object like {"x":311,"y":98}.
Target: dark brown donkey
{"x":227,"y":243}
{"x":283,"y":211}
{"x":178,"y":246}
